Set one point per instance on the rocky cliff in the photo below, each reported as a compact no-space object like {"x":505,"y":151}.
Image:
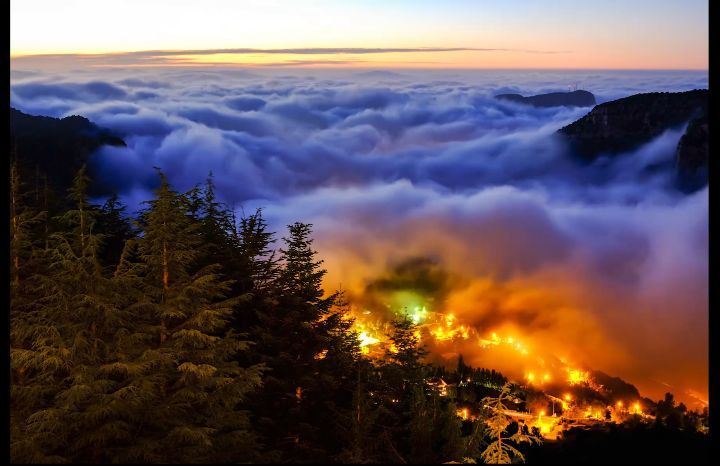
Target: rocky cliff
{"x":624,"y":124}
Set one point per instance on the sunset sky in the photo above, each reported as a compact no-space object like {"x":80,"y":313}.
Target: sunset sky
{"x":638,"y":34}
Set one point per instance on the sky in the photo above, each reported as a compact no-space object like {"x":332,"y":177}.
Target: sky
{"x":637,"y":34}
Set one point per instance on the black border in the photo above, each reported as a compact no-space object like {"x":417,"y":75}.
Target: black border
{"x":713,"y":371}
{"x":6,"y":262}
{"x":713,"y":321}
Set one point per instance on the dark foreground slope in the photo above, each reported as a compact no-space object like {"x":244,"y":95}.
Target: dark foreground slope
{"x":56,"y":147}
{"x":629,"y":443}
{"x":624,"y":124}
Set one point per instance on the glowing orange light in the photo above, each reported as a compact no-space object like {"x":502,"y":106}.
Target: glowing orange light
{"x":545,"y":424}
{"x":577,"y":376}
{"x":636,"y":408}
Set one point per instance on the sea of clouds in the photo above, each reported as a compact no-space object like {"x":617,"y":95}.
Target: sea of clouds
{"x":605,"y":262}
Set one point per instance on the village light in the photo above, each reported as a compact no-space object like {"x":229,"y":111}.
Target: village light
{"x":577,"y":376}
{"x":637,"y":409}
{"x":463,"y":413}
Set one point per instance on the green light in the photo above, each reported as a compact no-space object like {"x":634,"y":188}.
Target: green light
{"x":419,"y":314}
{"x":410,"y":304}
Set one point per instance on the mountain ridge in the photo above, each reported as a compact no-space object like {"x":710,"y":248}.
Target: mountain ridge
{"x":57,"y":147}
{"x":577,"y":98}
{"x":624,"y":124}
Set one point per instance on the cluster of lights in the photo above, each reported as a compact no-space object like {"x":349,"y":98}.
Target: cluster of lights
{"x":444,"y":327}
{"x":463,"y":413}
{"x":545,"y":423}
{"x":577,"y":376}
{"x":635,"y":408}
{"x":447,"y":329}
{"x":512,"y":342}
{"x":532,"y":378}
{"x":418,"y":314}
{"x":366,"y":340}
{"x":593,"y":414}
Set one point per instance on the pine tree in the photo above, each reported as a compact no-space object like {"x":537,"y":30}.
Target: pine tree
{"x":140,"y":355}
{"x":400,"y":391}
{"x":406,"y":352}
{"x":189,"y":372}
{"x":462,"y":368}
{"x":301,"y":276}
{"x":434,"y":429}
{"x":331,"y":394}
{"x":358,"y":426}
{"x":304,"y":337}
{"x":255,"y":267}
{"x":255,"y":244}
{"x":216,"y":229}
{"x":502,"y":448}
{"x":82,"y":216}
{"x":59,"y":345}
{"x":23,"y":219}
{"x":137,"y":365}
{"x":421,"y":420}
{"x":288,"y":344}
{"x":116,"y":229}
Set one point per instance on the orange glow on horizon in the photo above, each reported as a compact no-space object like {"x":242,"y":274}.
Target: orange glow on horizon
{"x":455,"y":60}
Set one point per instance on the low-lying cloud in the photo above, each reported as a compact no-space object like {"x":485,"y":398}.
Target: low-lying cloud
{"x":605,"y":262}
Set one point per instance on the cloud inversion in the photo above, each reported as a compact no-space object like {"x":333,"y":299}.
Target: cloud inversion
{"x":606,"y":263}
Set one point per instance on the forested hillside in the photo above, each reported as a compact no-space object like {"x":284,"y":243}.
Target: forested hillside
{"x":188,"y":335}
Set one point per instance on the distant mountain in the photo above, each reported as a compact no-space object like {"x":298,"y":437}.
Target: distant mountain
{"x":379,"y":74}
{"x":577,"y":98}
{"x":624,"y":124}
{"x":57,"y":147}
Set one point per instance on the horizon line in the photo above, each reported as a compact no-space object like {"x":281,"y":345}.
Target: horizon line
{"x":310,"y":50}
{"x":398,"y":58}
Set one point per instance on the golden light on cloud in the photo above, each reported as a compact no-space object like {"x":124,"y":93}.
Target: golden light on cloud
{"x":426,"y":57}
{"x":394,"y":59}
